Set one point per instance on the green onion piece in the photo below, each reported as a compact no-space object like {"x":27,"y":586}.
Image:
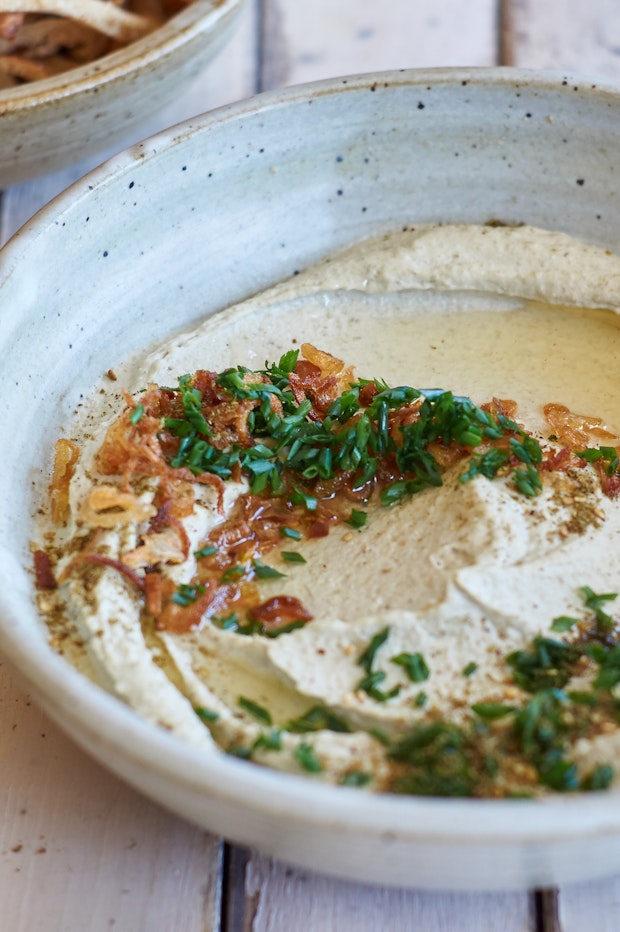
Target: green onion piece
{"x":356,"y":778}
{"x":258,"y":711}
{"x":232,"y":573}
{"x":262,"y":571}
{"x":290,"y":532}
{"x":137,"y":414}
{"x":563,"y":623}
{"x":292,"y":556}
{"x":207,"y":715}
{"x":492,"y":710}
{"x":367,"y":657}
{"x":306,"y":757}
{"x":415,"y":665}
{"x":357,"y":518}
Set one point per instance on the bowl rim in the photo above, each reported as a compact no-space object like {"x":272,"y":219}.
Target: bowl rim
{"x":554,"y":819}
{"x":199,"y":17}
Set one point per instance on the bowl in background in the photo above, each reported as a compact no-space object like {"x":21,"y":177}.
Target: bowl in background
{"x":56,"y":122}
{"x":208,"y":213}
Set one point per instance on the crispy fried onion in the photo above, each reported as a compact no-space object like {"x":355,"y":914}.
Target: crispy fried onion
{"x":320,"y":377}
{"x":43,"y":573}
{"x":170,"y":545}
{"x":132,"y":450}
{"x":66,"y":455}
{"x":577,"y":431}
{"x":99,"y":559}
{"x":108,"y":506}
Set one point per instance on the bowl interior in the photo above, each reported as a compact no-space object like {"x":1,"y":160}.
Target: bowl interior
{"x":208,"y":213}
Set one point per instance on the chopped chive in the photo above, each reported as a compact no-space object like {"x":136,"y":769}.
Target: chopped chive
{"x":306,"y":757}
{"x":563,"y":623}
{"x":258,"y":711}
{"x":232,"y":573}
{"x":137,"y":414}
{"x":262,"y":571}
{"x":290,"y":532}
{"x":415,"y":665}
{"x":207,"y":715}
{"x":356,"y":778}
{"x":292,"y":556}
{"x":357,"y":518}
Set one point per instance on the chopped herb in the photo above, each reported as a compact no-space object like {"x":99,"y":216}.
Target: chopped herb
{"x":420,"y":700}
{"x":471,"y":667}
{"x":415,"y":665}
{"x":237,"y":750}
{"x":269,"y":741}
{"x":356,"y":778}
{"x":227,"y":623}
{"x":595,"y":603}
{"x":186,"y":594}
{"x":563,"y":623}
{"x":357,"y":518}
{"x":593,"y":454}
{"x":305,"y":755}
{"x":290,"y":532}
{"x":137,"y":414}
{"x":301,"y":498}
{"x":370,"y":685}
{"x":258,"y":711}
{"x":367,"y":658}
{"x":232,"y":573}
{"x":598,"y":779}
{"x":205,"y":552}
{"x":438,"y":760}
{"x":527,"y":480}
{"x":292,"y":556}
{"x":262,"y":571}
{"x":492,"y":710}
{"x":318,"y":718}
{"x":207,"y":715}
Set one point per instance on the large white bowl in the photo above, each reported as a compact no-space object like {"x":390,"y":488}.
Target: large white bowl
{"x":56,"y":122}
{"x":205,"y":214}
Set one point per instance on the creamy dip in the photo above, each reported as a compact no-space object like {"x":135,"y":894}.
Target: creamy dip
{"x":414,"y":610}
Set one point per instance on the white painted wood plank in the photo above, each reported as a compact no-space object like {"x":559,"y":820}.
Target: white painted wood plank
{"x":231,"y":76}
{"x":592,"y":907}
{"x":82,"y":852}
{"x":582,"y":38}
{"x":352,"y":36}
{"x":277,"y":896}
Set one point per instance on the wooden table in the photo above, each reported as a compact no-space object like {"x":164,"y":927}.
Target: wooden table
{"x":80,"y":851}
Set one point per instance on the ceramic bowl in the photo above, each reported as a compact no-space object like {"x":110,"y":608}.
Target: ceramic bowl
{"x":106,"y":104}
{"x":203,"y":215}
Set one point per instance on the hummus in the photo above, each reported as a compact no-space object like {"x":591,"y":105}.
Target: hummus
{"x":386,"y":557}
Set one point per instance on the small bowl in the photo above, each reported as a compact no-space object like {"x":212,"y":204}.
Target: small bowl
{"x":56,"y":122}
{"x":206,"y":214}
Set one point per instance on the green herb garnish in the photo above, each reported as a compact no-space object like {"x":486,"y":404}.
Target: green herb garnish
{"x":306,"y":757}
{"x":415,"y":665}
{"x":292,"y":556}
{"x":258,"y":711}
{"x":262,"y":571}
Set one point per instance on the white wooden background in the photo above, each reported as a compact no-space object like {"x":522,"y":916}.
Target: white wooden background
{"x":79,"y":851}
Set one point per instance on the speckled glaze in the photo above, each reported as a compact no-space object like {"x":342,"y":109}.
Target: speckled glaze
{"x":205,"y":214}
{"x":54,"y":123}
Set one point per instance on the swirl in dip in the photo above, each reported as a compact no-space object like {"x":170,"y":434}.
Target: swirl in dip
{"x":388,"y":555}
